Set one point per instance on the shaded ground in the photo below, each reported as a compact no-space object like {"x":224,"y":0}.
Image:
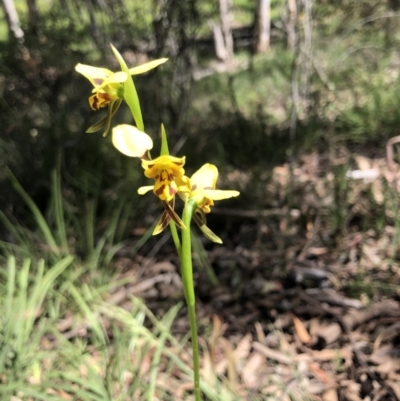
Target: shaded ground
{"x":308,"y":300}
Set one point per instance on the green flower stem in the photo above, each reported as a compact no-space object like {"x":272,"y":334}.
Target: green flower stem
{"x":187,"y":279}
{"x":175,"y":237}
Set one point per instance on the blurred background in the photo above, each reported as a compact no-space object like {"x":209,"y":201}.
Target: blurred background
{"x":293,"y":100}
{"x":248,"y":85}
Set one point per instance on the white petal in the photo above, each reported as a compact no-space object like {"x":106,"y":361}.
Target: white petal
{"x":130,"y":141}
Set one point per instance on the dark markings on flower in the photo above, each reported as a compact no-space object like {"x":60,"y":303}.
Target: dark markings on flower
{"x":98,"y":81}
{"x":164,"y":221}
{"x":165,"y":176}
{"x":98,"y":100}
{"x":171,"y":213}
{"x":94,"y":102}
{"x":160,"y":190}
{"x":194,"y":187}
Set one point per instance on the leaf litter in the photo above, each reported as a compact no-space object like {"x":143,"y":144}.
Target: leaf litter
{"x":308,"y":305}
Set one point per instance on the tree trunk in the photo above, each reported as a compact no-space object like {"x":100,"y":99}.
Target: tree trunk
{"x":33,"y":16}
{"x":223,"y":39}
{"x":263,"y":26}
{"x":291,"y":24}
{"x":12,"y":19}
{"x":219,"y":42}
{"x":225,"y":13}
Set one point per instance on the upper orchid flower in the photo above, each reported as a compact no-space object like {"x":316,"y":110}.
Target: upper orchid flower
{"x":108,"y":88}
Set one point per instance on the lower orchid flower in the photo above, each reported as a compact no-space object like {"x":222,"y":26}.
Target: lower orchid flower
{"x":201,"y":187}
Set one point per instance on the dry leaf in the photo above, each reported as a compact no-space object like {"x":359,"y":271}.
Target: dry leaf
{"x":272,"y":354}
{"x":324,"y":376}
{"x":250,"y":372}
{"x":330,"y":395}
{"x":301,"y":331}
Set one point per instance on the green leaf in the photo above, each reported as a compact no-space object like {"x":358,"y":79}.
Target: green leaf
{"x":40,"y":220}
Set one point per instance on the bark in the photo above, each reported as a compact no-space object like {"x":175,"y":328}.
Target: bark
{"x":225,"y":13}
{"x":33,"y":16}
{"x":263,"y":26}
{"x":222,"y":33}
{"x":12,"y":19}
{"x":291,"y":24}
{"x":219,"y":42}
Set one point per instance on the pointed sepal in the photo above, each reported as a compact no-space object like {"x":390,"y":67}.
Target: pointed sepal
{"x":171,"y":213}
{"x":130,"y":94}
{"x":200,"y":220}
{"x":106,"y":121}
{"x":162,"y":223}
{"x":164,"y":142}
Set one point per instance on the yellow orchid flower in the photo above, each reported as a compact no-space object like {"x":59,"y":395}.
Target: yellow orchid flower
{"x":165,"y":169}
{"x":107,"y":84}
{"x":108,"y":88}
{"x":202,"y":188}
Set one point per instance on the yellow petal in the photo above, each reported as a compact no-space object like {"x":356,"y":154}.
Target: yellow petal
{"x":94,"y":74}
{"x":219,"y":194}
{"x":173,"y":165}
{"x":130,"y":141}
{"x":140,"y":69}
{"x":144,"y":190}
{"x":116,"y":78}
{"x":205,"y":177}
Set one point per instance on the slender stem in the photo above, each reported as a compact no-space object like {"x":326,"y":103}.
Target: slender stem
{"x":175,"y":237}
{"x":187,"y":279}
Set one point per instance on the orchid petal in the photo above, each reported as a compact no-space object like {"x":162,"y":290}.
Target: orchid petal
{"x":174,"y":217}
{"x":162,"y":223}
{"x":199,"y":219}
{"x":130,"y":141}
{"x":140,"y":69}
{"x":205,"y":177}
{"x":106,"y":121}
{"x":116,"y":78}
{"x":144,"y":190}
{"x":93,"y":73}
{"x":219,"y":194}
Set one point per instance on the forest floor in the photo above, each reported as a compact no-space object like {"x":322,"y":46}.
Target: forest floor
{"x":304,"y":308}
